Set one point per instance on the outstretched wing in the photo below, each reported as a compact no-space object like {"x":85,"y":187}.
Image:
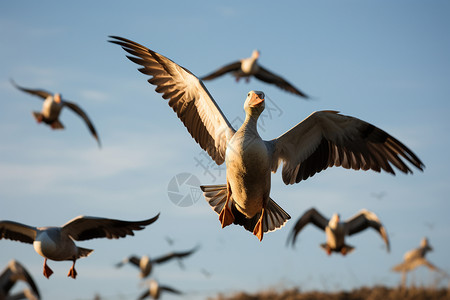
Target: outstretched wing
{"x":40,"y":93}
{"x":310,"y":216}
{"x":17,"y":232}
{"x":133,"y":259}
{"x":233,"y":67}
{"x":187,"y":96}
{"x":169,"y":256}
{"x":363,"y":220}
{"x":327,"y":138}
{"x":85,"y":228}
{"x":76,"y":109}
{"x":269,"y":77}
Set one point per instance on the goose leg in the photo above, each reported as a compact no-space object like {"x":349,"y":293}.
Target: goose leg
{"x":72,"y":272}
{"x":47,"y":271}
{"x":226,"y":216}
{"x":258,"y":231}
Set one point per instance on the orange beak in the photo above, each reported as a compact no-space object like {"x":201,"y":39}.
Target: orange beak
{"x":255,"y":100}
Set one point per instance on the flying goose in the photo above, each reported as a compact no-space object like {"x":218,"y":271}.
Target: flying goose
{"x":9,"y":277}
{"x":322,"y":140}
{"x":155,"y":289}
{"x":57,"y":243}
{"x":248,"y":67}
{"x":336,"y":230}
{"x":145,"y":264}
{"x":51,"y":109}
{"x":416,"y":257}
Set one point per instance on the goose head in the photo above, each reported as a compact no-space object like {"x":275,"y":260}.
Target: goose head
{"x":334,"y":221}
{"x":57,"y":98}
{"x":254,"y":104}
{"x":424,"y":244}
{"x":255,"y":54}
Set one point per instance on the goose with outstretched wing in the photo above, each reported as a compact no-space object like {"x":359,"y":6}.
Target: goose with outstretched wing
{"x":322,"y":140}
{"x":336,"y":230}
{"x":248,"y":67}
{"x":52,"y":107}
{"x":57,"y":243}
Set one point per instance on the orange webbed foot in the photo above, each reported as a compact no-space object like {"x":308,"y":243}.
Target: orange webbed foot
{"x":258,"y":230}
{"x":47,"y":271}
{"x":226,"y":216}
{"x":72,"y":272}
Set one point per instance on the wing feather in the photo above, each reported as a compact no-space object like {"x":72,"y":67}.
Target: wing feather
{"x":187,"y":95}
{"x":327,"y":138}
{"x":232,"y":67}
{"x":17,"y":232}
{"x":85,"y":228}
{"x":363,"y":220}
{"x":310,"y":216}
{"x":270,"y":77}
{"x":76,"y":109}
{"x":40,"y":93}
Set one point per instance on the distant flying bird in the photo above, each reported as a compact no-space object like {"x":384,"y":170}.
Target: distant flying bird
{"x":248,"y":67}
{"x":52,"y":107}
{"x":57,"y":243}
{"x":155,"y":289}
{"x":336,"y":230}
{"x":13,"y":273}
{"x":145,"y":264}
{"x":324,"y":139}
{"x":415,"y":258}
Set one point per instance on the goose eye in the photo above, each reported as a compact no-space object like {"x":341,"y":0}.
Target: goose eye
{"x":248,"y":94}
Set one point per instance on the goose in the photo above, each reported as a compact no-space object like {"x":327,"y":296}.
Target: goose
{"x":14,"y":272}
{"x":336,"y":230}
{"x":57,"y":243}
{"x":52,"y":107}
{"x":145,"y":264}
{"x":322,"y":140}
{"x":248,"y":67}
{"x":415,"y":258}
{"x":155,"y":289}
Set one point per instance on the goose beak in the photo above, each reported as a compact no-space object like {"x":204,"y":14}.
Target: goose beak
{"x":256,"y":99}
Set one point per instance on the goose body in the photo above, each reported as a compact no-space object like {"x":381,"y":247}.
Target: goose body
{"x":322,"y":140}
{"x":155,"y":290}
{"x":57,"y":243}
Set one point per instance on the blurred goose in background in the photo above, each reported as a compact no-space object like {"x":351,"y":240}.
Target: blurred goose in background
{"x":51,"y":109}
{"x":57,"y":243}
{"x":322,"y":140}
{"x":155,"y":289}
{"x":248,"y":67}
{"x":336,"y":230}
{"x":416,"y":257}
{"x":13,"y":273}
{"x":145,"y":264}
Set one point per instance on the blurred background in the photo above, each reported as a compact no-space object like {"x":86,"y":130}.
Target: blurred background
{"x":386,"y":62}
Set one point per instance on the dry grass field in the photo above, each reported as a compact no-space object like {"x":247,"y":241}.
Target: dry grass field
{"x":364,"y":293}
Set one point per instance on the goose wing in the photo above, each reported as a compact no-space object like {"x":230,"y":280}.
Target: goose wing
{"x":17,"y":232}
{"x":269,"y":77}
{"x":40,"y":93}
{"x":169,"y":256}
{"x":310,"y":216}
{"x":187,"y":96}
{"x":363,"y":220}
{"x":327,"y":138}
{"x":133,"y":259}
{"x":85,"y":228}
{"x":233,"y":67}
{"x":76,"y":109}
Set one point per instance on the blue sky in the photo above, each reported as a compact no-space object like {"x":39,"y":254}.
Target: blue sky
{"x":386,"y":62}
